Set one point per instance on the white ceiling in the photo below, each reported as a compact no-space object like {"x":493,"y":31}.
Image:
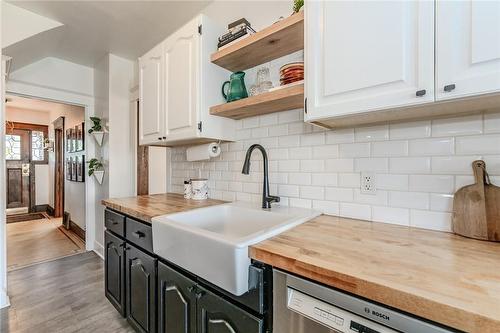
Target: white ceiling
{"x":93,"y":28}
{"x":20,"y":102}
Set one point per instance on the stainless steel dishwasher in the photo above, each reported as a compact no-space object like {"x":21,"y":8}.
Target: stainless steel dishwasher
{"x":301,"y":306}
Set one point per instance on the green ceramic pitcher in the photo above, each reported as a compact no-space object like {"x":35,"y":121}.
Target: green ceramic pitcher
{"x":236,"y":89}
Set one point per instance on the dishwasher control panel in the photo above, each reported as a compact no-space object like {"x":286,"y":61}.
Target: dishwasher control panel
{"x":335,"y":318}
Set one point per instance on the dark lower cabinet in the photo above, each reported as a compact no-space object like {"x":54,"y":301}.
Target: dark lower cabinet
{"x":140,"y":289}
{"x":114,"y":271}
{"x":176,"y":302}
{"x":216,"y":315}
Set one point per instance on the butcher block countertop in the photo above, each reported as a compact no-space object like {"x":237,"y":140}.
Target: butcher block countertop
{"x":442,"y":277}
{"x":145,"y":207}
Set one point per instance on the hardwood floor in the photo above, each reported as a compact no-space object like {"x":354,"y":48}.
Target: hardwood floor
{"x":37,"y":241}
{"x":64,"y":295}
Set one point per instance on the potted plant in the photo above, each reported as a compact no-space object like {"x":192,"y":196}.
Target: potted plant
{"x":96,"y":168}
{"x":297,"y":5}
{"x":97,"y":130}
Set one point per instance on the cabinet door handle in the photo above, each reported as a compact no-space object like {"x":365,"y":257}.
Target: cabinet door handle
{"x":138,"y":234}
{"x":114,"y":223}
{"x":420,"y":93}
{"x":222,"y":321}
{"x":164,"y":138}
{"x":449,"y":87}
{"x":159,"y":138}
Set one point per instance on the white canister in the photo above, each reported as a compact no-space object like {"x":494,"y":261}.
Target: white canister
{"x":188,"y":193}
{"x":199,"y":187}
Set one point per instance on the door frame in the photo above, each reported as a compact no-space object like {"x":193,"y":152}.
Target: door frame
{"x":59,"y":158}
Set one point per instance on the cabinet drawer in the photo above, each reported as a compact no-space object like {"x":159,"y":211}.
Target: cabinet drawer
{"x":114,"y":222}
{"x":140,"y":234}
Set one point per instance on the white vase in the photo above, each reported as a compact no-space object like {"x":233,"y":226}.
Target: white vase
{"x":99,"y":137}
{"x":99,"y":176}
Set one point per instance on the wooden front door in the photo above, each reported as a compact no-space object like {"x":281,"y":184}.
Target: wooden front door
{"x":18,"y":147}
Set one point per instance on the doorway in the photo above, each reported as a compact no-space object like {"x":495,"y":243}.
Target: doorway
{"x":38,"y":192}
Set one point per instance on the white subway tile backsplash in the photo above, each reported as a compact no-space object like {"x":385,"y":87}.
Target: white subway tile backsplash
{"x":324,"y":179}
{"x":430,"y":220}
{"x":312,"y":192}
{"x":454,"y":165}
{"x":312,"y":165}
{"x":300,"y":153}
{"x":417,"y":166}
{"x":340,"y":136}
{"x":378,"y":198}
{"x":325,"y":151}
{"x":312,"y":139}
{"x":457,"y":126}
{"x":389,"y":148}
{"x":418,"y":200}
{"x":392,"y":215}
{"x":371,"y":164}
{"x":355,"y":211}
{"x":441,"y":202}
{"x":326,"y":207}
{"x":410,"y":165}
{"x":418,"y":129}
{"x":392,"y":182}
{"x":339,"y":194}
{"x":354,"y":150}
{"x":432,"y":183}
{"x":484,"y":144}
{"x":299,"y":178}
{"x":434,"y":146}
{"x":373,"y":133}
{"x":492,"y":122}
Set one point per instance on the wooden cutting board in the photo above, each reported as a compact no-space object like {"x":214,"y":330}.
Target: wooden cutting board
{"x":476,"y":208}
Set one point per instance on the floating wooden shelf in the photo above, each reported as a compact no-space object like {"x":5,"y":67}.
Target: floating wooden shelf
{"x":288,"y":98}
{"x":277,"y":40}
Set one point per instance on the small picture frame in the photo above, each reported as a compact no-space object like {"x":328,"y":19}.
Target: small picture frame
{"x":68,"y":168}
{"x":73,"y":169}
{"x":68,"y":140}
{"x":79,"y":137}
{"x":80,"y":168}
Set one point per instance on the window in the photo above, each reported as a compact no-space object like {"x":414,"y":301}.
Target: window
{"x":37,"y":152}
{"x":12,"y":147}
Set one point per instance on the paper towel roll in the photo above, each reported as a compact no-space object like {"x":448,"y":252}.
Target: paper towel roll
{"x":203,"y":152}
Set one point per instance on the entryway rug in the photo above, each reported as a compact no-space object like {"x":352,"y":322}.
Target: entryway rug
{"x":24,"y":217}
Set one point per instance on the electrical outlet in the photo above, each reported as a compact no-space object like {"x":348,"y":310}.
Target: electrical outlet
{"x":368,"y":183}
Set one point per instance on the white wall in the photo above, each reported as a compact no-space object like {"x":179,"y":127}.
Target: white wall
{"x":27,"y":116}
{"x":57,"y":74}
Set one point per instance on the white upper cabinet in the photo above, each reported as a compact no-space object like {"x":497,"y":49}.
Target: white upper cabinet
{"x":181,"y":83}
{"x":365,"y":56}
{"x":151,"y":116}
{"x":178,"y":84}
{"x":467,"y":48}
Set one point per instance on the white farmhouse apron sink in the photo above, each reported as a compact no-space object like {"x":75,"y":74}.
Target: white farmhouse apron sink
{"x":213,"y":242}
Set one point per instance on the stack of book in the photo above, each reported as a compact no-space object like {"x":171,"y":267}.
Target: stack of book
{"x":237,"y":31}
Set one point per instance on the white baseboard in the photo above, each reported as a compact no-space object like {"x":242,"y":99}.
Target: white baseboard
{"x":99,"y":250}
{"x":4,"y":299}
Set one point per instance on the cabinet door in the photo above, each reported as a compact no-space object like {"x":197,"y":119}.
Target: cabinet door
{"x":467,"y":48}
{"x":181,"y":53}
{"x":114,"y":271}
{"x":151,"y":115}
{"x":216,"y":315}
{"x":176,"y":302}
{"x":369,"y":55}
{"x":141,"y":289}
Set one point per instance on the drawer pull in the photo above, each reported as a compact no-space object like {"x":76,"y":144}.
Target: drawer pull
{"x":449,"y":87}
{"x":115,"y":223}
{"x":420,"y":93}
{"x":138,"y":234}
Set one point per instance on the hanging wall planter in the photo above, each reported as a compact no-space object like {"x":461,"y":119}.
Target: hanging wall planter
{"x":97,"y":130}
{"x":99,"y":137}
{"x":96,"y":168}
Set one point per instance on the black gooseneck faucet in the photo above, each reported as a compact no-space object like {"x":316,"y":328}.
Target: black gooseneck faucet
{"x":266,"y":198}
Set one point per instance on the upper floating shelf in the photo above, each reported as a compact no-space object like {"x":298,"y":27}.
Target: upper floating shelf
{"x":275,"y":41}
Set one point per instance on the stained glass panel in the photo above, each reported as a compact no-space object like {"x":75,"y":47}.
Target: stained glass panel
{"x":37,"y":153}
{"x":12,"y":147}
